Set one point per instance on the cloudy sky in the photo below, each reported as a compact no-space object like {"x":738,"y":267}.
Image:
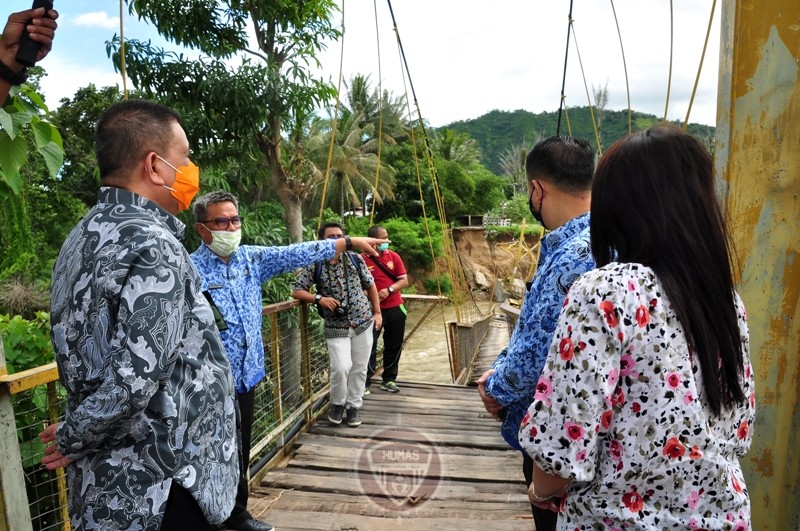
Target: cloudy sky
{"x":467,"y":57}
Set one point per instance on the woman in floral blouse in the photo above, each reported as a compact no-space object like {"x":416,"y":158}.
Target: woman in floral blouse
{"x":647,"y":401}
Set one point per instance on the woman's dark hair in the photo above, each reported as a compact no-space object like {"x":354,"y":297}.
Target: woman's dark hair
{"x":653,"y":203}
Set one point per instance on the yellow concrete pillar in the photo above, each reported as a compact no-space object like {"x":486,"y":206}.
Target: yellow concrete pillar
{"x":758,"y":161}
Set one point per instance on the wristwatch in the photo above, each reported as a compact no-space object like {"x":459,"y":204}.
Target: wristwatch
{"x":348,"y":243}
{"x":15,"y":78}
{"x":390,"y":289}
{"x":317,"y":298}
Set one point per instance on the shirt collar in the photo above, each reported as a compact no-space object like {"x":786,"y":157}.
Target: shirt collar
{"x":110,"y":194}
{"x":565,"y":232}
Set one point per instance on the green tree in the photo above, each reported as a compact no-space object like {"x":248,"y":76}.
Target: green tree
{"x":351,"y":159}
{"x":24,"y":128}
{"x":512,"y":164}
{"x":237,"y":112}
{"x":77,"y":118}
{"x":407,"y":202}
{"x":455,"y":146}
{"x":383,"y":111}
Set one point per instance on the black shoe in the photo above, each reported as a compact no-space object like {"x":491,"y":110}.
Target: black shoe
{"x":335,"y":414}
{"x":251,"y":525}
{"x":353,"y":418}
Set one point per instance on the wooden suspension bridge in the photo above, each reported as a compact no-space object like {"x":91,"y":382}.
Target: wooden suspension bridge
{"x":427,"y":458}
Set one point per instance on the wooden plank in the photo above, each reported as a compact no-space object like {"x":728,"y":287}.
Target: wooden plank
{"x":484,"y":437}
{"x":473,"y":480}
{"x":465,"y":440}
{"x":30,"y":378}
{"x":340,"y":504}
{"x":327,"y":481}
{"x":464,"y":401}
{"x":16,"y":511}
{"x":322,"y":521}
{"x":509,"y":486}
{"x":426,"y":421}
{"x":463,"y":467}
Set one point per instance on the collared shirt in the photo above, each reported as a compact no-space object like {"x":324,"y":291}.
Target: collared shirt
{"x":565,"y":255}
{"x":149,"y":389}
{"x":235,"y":288}
{"x":620,"y":409}
{"x":392,"y":262}
{"x":346,"y":284}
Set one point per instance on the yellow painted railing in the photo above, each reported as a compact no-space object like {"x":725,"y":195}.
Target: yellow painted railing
{"x":287,"y":401}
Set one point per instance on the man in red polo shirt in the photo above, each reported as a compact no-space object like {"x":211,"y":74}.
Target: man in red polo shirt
{"x":390,"y":277}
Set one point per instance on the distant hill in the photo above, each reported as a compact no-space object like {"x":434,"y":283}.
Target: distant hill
{"x":497,"y":131}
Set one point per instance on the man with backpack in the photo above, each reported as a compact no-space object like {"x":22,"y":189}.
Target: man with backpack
{"x":348,"y":301}
{"x":390,"y":277}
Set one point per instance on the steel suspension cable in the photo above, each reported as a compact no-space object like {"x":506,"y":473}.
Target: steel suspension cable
{"x":625,"y":66}
{"x":671,"y":50}
{"x":564,"y":77}
{"x":428,"y":155}
{"x":588,"y":97}
{"x":700,"y":68}
{"x":380,"y":117}
{"x":334,"y":123}
{"x":122,"y":51}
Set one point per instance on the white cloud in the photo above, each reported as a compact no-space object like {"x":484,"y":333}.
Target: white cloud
{"x":467,"y":57}
{"x":61,"y":81}
{"x":96,"y":19}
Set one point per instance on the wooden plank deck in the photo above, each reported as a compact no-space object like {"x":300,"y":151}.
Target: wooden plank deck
{"x":428,"y":458}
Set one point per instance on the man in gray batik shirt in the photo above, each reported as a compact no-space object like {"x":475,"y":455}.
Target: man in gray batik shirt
{"x":149,"y":434}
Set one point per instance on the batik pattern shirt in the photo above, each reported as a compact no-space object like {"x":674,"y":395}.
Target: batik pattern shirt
{"x":620,"y":409}
{"x":235,"y":288}
{"x":565,"y":254}
{"x":149,"y":389}
{"x":346,"y":284}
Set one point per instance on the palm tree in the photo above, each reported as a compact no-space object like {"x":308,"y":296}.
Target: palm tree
{"x":512,"y":162}
{"x":352,"y":162}
{"x":457,"y":147}
{"x":382,"y":111}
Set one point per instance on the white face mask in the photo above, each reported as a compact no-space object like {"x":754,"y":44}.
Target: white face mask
{"x":225,"y":242}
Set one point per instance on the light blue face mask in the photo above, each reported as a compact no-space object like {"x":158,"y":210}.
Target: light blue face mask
{"x":383,"y":246}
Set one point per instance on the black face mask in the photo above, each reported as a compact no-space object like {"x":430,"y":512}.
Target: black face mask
{"x":536,"y":215}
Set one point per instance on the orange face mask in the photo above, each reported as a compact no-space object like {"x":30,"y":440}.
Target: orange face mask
{"x":186,"y":185}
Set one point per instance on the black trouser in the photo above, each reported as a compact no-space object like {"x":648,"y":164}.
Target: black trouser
{"x":246,"y":402}
{"x":183,"y":512}
{"x":544,"y":519}
{"x":394,"y":330}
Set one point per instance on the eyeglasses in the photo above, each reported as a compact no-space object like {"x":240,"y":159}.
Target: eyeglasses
{"x":222,"y":223}
{"x":334,"y":236}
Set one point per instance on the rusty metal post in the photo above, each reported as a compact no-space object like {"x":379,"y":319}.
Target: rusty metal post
{"x":758,"y":160}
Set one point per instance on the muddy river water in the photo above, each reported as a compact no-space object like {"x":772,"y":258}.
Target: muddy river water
{"x":425,"y":357}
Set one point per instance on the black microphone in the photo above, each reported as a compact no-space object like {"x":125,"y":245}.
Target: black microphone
{"x":28,"y":48}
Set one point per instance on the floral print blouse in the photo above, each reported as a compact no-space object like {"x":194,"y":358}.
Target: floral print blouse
{"x":620,"y":410}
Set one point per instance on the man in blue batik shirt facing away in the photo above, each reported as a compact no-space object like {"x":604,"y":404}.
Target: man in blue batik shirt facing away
{"x":559,"y":171}
{"x":231,"y":278}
